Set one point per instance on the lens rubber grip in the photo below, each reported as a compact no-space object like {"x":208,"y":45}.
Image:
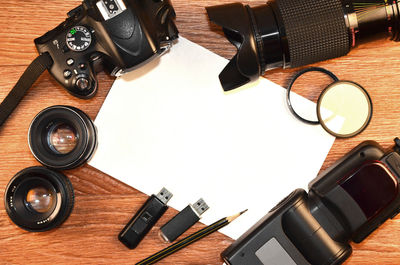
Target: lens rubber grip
{"x":315,"y":30}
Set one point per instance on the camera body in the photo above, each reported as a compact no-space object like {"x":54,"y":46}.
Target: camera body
{"x":119,"y":35}
{"x":346,"y":202}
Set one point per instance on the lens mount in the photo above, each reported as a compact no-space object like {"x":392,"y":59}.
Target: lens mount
{"x":38,"y":199}
{"x":62,"y":137}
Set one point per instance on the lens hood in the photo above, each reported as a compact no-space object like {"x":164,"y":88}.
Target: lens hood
{"x":245,"y":65}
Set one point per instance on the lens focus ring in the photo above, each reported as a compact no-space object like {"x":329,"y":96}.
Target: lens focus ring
{"x":315,"y":30}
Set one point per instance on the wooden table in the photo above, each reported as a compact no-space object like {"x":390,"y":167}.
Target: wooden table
{"x":104,"y":205}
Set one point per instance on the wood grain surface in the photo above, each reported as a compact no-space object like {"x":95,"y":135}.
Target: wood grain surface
{"x":104,"y":205}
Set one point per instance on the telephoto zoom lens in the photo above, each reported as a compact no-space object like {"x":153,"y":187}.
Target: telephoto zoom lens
{"x":62,"y":137}
{"x":292,"y":33}
{"x":39,"y":199}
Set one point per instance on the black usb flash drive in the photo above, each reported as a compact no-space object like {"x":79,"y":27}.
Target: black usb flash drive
{"x":183,"y":220}
{"x":145,"y":219}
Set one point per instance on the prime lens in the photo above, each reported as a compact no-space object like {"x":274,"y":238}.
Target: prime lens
{"x":62,"y":137}
{"x":39,"y":199}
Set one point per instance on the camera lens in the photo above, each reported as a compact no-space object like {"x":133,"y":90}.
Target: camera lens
{"x":292,"y":33}
{"x":39,"y":199}
{"x":62,"y":137}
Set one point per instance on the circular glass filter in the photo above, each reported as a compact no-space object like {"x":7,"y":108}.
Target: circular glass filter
{"x":344,"y":108}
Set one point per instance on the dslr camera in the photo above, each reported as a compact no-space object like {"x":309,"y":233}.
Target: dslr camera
{"x":119,"y":35}
{"x":346,"y":202}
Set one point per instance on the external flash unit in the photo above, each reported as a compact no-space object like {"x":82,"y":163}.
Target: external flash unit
{"x":345,"y":203}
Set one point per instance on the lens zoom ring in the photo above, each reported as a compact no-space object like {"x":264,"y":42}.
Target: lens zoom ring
{"x":315,"y":30}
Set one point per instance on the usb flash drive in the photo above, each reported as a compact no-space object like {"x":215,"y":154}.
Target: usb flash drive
{"x":145,"y":219}
{"x":183,"y":220}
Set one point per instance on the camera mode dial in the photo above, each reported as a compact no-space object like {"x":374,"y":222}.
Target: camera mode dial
{"x":78,"y":38}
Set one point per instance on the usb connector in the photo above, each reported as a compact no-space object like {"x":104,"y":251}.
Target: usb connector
{"x":145,"y":219}
{"x":183,"y":220}
{"x":164,"y":195}
{"x":200,"y":207}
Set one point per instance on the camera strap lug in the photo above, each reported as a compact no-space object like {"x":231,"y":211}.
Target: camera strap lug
{"x":76,"y":11}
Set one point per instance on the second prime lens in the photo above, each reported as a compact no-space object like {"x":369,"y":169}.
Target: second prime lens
{"x":62,"y":137}
{"x":39,"y":199}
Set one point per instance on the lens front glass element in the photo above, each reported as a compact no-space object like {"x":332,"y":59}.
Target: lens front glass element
{"x":62,"y":138}
{"x":40,"y":199}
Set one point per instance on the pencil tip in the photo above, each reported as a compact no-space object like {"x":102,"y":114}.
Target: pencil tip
{"x":242,"y":212}
{"x":233,"y":217}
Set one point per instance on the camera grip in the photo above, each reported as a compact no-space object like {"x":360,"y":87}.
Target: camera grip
{"x":130,"y":39}
{"x":310,"y":238}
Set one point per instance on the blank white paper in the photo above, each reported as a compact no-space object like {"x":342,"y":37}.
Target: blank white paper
{"x":170,"y":124}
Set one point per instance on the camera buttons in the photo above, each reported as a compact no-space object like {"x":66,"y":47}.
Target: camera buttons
{"x":65,"y":49}
{"x":67,"y":74}
{"x":82,"y":66}
{"x":70,"y":62}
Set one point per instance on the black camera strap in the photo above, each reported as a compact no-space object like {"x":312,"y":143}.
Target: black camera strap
{"x":31,"y":74}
